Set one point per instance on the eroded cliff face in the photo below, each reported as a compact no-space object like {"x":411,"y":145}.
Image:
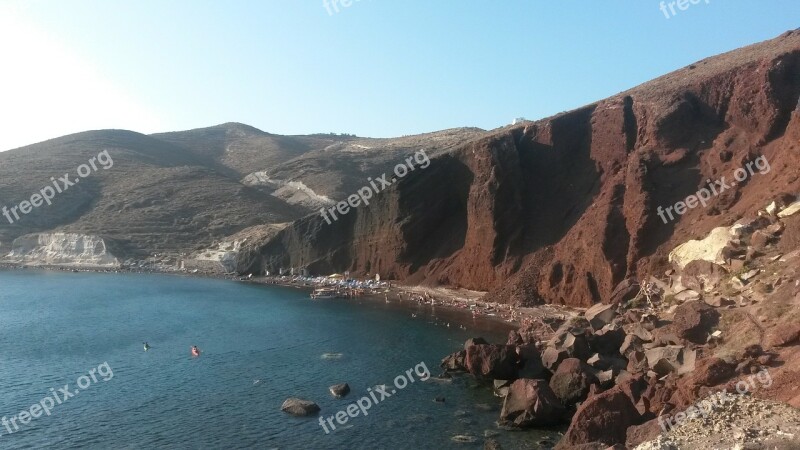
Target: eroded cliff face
{"x":562,"y":210}
{"x":62,"y":249}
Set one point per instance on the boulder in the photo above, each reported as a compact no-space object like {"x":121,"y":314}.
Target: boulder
{"x":631,"y":343}
{"x":639,"y":330}
{"x":771,"y":209}
{"x":607,"y":341}
{"x":501,"y":387}
{"x":693,"y":321}
{"x":299,"y":407}
{"x":491,"y":444}
{"x":531,"y":361}
{"x":604,"y":418}
{"x":775,"y":229}
{"x":664,"y":360}
{"x":577,"y":345}
{"x":703,"y":276}
{"x":455,"y":362}
{"x":760,"y":240}
{"x":707,"y":249}
{"x":572,"y":380}
{"x":490,"y":361}
{"x":605,"y":378}
{"x":339,"y":390}
{"x":474,"y":341}
{"x":687,"y":295}
{"x":784,"y":335}
{"x":531,"y":403}
{"x":649,"y":321}
{"x":663,"y":336}
{"x":745,"y":227}
{"x":552,"y":357}
{"x":790,"y":210}
{"x":600,"y":315}
{"x":637,"y":361}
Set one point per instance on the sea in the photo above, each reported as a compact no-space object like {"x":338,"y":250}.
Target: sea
{"x":74,"y":372}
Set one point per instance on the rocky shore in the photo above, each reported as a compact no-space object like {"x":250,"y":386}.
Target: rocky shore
{"x":642,"y":368}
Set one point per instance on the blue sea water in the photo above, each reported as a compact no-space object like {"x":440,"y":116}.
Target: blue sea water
{"x":260,"y":344}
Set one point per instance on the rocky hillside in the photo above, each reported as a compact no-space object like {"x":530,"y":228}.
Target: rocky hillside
{"x":704,"y":356}
{"x":564,"y":209}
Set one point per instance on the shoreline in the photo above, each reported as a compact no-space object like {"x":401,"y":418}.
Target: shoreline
{"x":455,"y":300}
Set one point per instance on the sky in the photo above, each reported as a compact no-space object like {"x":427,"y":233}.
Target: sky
{"x":378,"y":68}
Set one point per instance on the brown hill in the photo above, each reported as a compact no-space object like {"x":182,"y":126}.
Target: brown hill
{"x":563,"y":209}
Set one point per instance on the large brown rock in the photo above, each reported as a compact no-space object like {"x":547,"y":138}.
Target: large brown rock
{"x":703,"y":276}
{"x":693,"y":321}
{"x":474,"y":341}
{"x":604,"y":418}
{"x":607,"y":341}
{"x":553,"y":356}
{"x":572,"y":380}
{"x":531,"y":403}
{"x":531,"y":363}
{"x":491,"y":361}
{"x":455,"y":362}
{"x":600,"y":315}
{"x":664,"y":360}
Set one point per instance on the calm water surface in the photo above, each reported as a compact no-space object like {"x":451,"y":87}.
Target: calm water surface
{"x":260,"y":345}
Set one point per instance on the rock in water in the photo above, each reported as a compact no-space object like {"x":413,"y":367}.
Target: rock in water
{"x":491,"y":444}
{"x":486,"y":361}
{"x":299,"y":407}
{"x":340,"y":390}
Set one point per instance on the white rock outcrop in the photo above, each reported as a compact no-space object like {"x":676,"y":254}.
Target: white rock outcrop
{"x":292,"y":192}
{"x":708,"y":249}
{"x":790,"y":210}
{"x":225,"y":254}
{"x":62,"y":249}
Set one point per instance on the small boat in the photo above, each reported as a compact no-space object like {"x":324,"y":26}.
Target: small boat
{"x":322,"y":293}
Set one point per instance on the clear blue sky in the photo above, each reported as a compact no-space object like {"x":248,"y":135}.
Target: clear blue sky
{"x":376,"y":68}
